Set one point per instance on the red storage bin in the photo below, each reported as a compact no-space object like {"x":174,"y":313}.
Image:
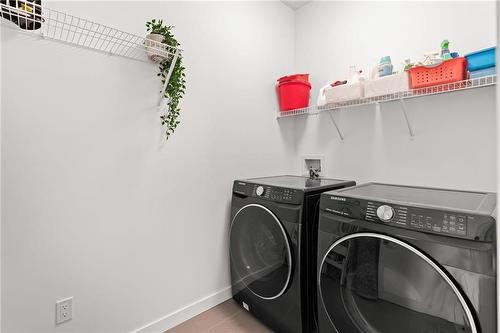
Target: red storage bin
{"x":295,"y":77}
{"x":448,"y":71}
{"x":293,"y":95}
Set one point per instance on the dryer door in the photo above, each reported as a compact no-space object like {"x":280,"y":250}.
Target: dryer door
{"x":375,"y":283}
{"x":260,"y":251}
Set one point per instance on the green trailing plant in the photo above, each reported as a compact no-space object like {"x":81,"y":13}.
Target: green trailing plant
{"x":177,"y":84}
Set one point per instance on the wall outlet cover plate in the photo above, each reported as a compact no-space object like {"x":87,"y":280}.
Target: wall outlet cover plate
{"x":64,"y":310}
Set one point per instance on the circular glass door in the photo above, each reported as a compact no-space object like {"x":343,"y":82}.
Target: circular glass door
{"x":376,"y":283}
{"x":260,"y":252}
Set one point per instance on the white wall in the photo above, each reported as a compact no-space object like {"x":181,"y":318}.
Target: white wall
{"x":454,"y":144}
{"x":93,"y":206}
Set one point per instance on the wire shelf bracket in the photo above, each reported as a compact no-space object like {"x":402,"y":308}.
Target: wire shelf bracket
{"x":341,"y":136}
{"x":163,"y":102}
{"x":405,"y":114}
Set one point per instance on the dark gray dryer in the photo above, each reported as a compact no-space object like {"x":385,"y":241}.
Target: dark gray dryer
{"x":394,"y":259}
{"x":273,"y":248}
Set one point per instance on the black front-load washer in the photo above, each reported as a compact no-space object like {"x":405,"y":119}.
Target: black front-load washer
{"x":272,"y":248}
{"x":394,"y":259}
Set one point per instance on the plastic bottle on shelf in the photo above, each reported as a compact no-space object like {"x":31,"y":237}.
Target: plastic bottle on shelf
{"x":445,"y":50}
{"x":385,"y":66}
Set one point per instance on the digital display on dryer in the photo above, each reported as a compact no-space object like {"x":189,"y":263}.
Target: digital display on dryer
{"x":453,"y":224}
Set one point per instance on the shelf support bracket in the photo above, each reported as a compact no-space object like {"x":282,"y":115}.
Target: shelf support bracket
{"x":167,"y":78}
{"x":330,"y":113}
{"x":404,"y":109}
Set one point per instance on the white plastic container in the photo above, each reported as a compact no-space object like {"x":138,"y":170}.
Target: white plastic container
{"x":344,"y":93}
{"x":387,"y":85}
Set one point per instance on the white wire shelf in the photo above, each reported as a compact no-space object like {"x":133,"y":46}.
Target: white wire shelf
{"x":440,"y":89}
{"x":48,"y":23}
{"x":298,"y":112}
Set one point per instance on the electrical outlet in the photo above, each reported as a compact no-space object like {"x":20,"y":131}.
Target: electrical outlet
{"x":64,"y":310}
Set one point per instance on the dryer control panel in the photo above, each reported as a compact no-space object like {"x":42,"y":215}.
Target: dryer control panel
{"x":422,"y":219}
{"x":271,"y":193}
{"x":450,"y":223}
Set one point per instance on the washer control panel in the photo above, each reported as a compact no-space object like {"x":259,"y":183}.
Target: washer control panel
{"x":271,"y":193}
{"x":456,"y":224}
{"x":275,"y":193}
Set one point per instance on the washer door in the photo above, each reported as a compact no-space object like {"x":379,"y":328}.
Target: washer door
{"x":260,"y":251}
{"x":370,"y":282}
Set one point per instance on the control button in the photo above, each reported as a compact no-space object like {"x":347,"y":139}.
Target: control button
{"x":461,"y":219}
{"x":259,"y":191}
{"x":428,"y":222}
{"x":385,"y":213}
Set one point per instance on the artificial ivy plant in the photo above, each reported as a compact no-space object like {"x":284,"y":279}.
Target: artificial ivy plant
{"x":177,"y":83}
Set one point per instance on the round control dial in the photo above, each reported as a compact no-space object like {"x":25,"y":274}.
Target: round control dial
{"x":385,"y":213}
{"x":259,"y":191}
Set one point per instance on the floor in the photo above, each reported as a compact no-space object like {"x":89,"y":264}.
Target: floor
{"x":227,"y":317}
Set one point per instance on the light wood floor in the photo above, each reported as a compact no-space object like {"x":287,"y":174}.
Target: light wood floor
{"x":227,"y":317}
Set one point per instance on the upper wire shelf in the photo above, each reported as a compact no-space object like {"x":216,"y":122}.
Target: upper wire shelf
{"x":440,"y":89}
{"x":34,"y":18}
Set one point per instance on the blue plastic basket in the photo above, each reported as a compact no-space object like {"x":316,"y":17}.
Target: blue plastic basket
{"x":483,"y":72}
{"x":481,"y":59}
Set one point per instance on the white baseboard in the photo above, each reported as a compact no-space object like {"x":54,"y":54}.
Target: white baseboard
{"x":189,"y":311}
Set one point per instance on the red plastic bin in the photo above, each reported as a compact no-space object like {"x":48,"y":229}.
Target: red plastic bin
{"x":295,"y":77}
{"x":448,"y":71}
{"x":293,"y":95}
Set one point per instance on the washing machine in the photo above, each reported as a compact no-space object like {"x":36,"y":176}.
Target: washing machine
{"x":273,"y":248}
{"x":394,"y":259}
